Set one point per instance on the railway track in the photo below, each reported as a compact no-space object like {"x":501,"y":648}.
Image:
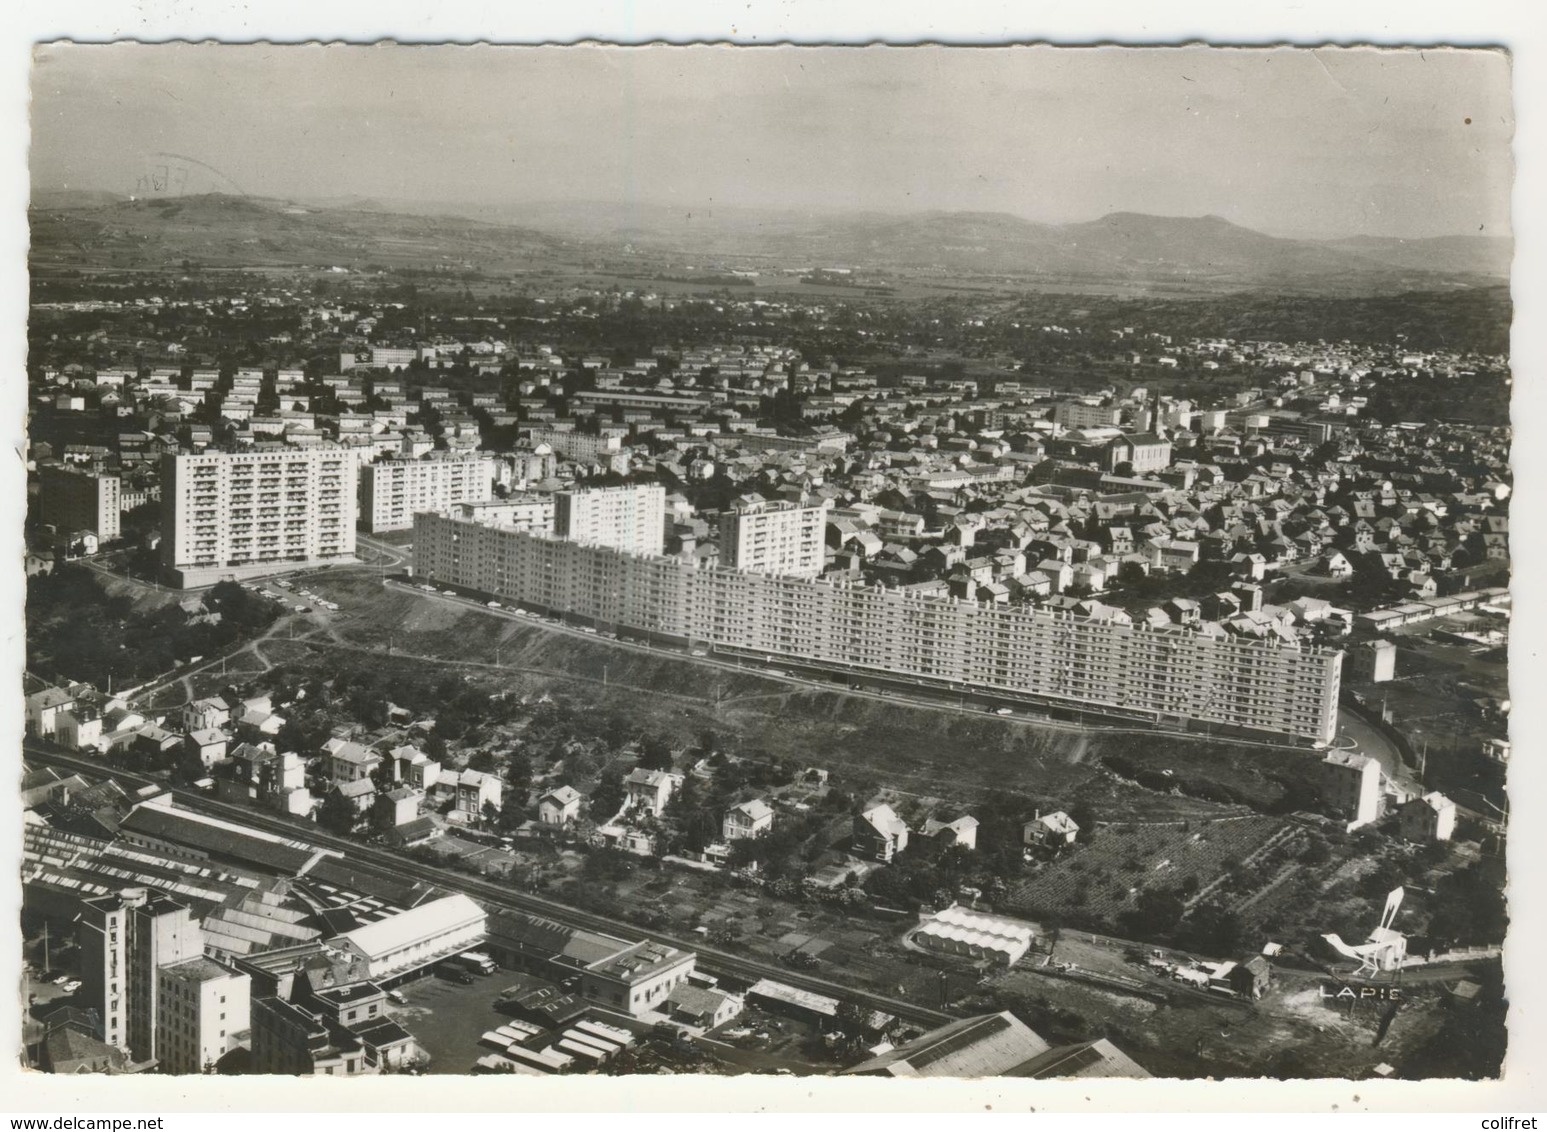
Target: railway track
{"x":397,"y":867}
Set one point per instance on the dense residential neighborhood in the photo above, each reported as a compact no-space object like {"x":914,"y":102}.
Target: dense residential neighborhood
{"x":902,"y":644}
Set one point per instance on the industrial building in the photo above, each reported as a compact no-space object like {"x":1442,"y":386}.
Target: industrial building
{"x":1170,"y":673}
{"x":235,"y":515}
{"x":417,"y":937}
{"x":976,"y":935}
{"x":992,"y":1045}
{"x":392,"y":490}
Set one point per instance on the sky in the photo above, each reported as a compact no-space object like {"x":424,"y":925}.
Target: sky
{"x":1329,"y":143}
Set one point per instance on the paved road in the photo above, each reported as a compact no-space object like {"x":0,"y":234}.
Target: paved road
{"x":1370,"y":741}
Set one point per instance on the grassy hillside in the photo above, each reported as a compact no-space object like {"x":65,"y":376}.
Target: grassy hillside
{"x":873,"y":742}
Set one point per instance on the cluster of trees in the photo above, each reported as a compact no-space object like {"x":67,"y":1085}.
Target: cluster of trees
{"x":77,"y":631}
{"x":925,"y":874}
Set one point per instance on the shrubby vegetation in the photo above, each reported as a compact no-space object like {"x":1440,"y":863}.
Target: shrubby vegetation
{"x":77,"y":631}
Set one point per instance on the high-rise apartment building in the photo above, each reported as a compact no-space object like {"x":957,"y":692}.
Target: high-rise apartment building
{"x":77,"y":499}
{"x":778,"y":537}
{"x":245,"y":514}
{"x":162,"y":933}
{"x":1077,"y":414}
{"x":392,"y":490}
{"x":631,"y":518}
{"x":144,"y":970}
{"x":583,"y":446}
{"x":102,"y":937}
{"x":1163,"y":675}
{"x":201,"y":1007}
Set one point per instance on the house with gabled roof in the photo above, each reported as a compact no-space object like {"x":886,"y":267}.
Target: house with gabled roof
{"x":752,"y":818}
{"x":559,"y":807}
{"x":879,"y":834}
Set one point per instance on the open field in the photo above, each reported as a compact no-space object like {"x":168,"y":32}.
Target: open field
{"x":1099,"y":881}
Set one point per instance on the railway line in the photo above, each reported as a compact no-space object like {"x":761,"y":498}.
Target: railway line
{"x":397,"y":867}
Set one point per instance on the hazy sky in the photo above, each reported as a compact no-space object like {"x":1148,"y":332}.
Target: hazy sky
{"x":1334,"y":142}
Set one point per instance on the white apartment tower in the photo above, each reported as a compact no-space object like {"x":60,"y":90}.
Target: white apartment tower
{"x":102,"y":936}
{"x":246,"y":514}
{"x":774,"y":538}
{"x":75,"y":499}
{"x":162,"y":933}
{"x":631,"y":518}
{"x":202,"y":1007}
{"x":1038,"y":655}
{"x":392,"y":490}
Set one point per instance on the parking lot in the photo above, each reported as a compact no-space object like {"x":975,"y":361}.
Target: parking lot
{"x":448,"y":1019}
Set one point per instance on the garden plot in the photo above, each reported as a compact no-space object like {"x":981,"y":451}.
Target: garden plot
{"x":1097,"y":882}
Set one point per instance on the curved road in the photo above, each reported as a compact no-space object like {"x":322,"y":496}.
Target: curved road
{"x":1370,"y":740}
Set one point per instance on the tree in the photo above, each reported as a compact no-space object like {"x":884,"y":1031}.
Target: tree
{"x":1084,"y":817}
{"x":518,"y":776}
{"x":337,"y":813}
{"x":383,"y":815}
{"x":655,"y":753}
{"x":1156,"y":912}
{"x":1214,"y":929}
{"x":607,"y":796}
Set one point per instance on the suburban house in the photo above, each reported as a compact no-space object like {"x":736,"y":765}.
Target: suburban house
{"x":349,"y":762}
{"x":413,"y":766}
{"x":361,"y":793}
{"x":475,"y":790}
{"x":79,"y":728}
{"x":963,"y":832}
{"x":1351,"y":787}
{"x":879,"y":833}
{"x":209,"y":745}
{"x":405,"y":804}
{"x":202,"y":715}
{"x":1430,"y":818}
{"x":1050,"y":831}
{"x":649,"y":790}
{"x":559,"y":806}
{"x":749,"y":819}
{"x":43,"y":710}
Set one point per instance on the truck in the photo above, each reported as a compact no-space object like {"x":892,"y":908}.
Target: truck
{"x":476,"y":962}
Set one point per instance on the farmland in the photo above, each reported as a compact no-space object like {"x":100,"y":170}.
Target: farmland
{"x":1099,"y":882}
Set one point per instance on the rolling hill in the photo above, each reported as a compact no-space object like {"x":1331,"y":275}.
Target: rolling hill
{"x":1124,"y":250}
{"x":217,"y":230}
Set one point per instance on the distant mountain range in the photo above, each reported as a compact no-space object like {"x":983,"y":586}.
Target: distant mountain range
{"x":1122,"y":249}
{"x":231,"y":231}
